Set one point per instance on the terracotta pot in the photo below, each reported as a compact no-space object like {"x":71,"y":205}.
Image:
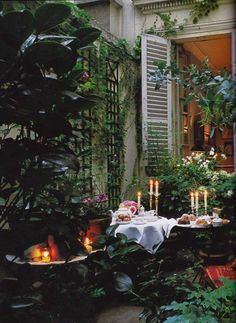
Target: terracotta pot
{"x":97,"y":227}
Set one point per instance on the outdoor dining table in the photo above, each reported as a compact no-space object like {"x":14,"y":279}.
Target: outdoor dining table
{"x":150,"y":235}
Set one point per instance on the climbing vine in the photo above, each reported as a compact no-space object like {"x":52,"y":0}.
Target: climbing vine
{"x":202,"y":9}
{"x":170,"y":27}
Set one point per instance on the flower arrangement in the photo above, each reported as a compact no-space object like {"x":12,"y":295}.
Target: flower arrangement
{"x":95,"y":207}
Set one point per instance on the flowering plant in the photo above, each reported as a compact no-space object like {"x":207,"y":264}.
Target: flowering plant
{"x":203,"y":159}
{"x":95,"y":207}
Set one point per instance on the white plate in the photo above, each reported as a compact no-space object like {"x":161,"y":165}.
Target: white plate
{"x":151,"y":218}
{"x":122,"y":222}
{"x":139,"y":222}
{"x":184,"y":225}
{"x":19,"y":261}
{"x":201,"y":225}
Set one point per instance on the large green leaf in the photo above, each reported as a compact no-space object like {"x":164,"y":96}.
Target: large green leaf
{"x":87,"y":35}
{"x":51,"y":125}
{"x":16,"y":27}
{"x":49,"y":54}
{"x":74,"y":107}
{"x":50,"y":15}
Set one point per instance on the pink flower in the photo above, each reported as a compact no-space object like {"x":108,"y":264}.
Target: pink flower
{"x":87,"y":200}
{"x":128,"y":203}
{"x":84,"y":76}
{"x":101,"y":198}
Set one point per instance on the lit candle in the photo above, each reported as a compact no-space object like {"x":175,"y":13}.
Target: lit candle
{"x":151,"y":187}
{"x":139,"y":199}
{"x":205,"y":200}
{"x":196,"y":201}
{"x":87,"y":244}
{"x":156,"y":188}
{"x":46,"y":255}
{"x":192,"y":199}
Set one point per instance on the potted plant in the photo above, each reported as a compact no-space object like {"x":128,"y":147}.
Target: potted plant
{"x":39,"y":99}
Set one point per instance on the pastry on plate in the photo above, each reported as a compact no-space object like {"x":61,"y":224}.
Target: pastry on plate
{"x":184,"y":219}
{"x":123,"y":218}
{"x":202,"y":222}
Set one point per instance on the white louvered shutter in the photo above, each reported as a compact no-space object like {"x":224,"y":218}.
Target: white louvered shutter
{"x":156,"y":104}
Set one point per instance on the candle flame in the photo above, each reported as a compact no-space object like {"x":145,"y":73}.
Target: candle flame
{"x":46,"y":255}
{"x":87,"y":241}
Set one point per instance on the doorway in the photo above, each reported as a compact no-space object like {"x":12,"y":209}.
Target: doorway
{"x":218,"y":50}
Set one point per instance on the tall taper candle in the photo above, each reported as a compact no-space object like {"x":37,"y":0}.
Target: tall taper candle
{"x":139,"y":200}
{"x":192,"y":202}
{"x":150,"y":193}
{"x":151,"y":186}
{"x":192,"y":199}
{"x":205,"y":200}
{"x":196,"y":201}
{"x":156,"y":188}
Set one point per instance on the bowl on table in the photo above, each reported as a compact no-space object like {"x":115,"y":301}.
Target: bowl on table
{"x":217,"y":222}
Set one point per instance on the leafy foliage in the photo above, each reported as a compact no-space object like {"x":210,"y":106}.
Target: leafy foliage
{"x":215,"y":95}
{"x":178,"y":177}
{"x":205,"y":306}
{"x":202,"y":9}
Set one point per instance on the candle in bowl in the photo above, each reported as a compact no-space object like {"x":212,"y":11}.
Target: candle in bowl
{"x":46,"y":255}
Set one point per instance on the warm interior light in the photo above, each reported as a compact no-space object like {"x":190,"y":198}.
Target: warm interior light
{"x":185,"y":123}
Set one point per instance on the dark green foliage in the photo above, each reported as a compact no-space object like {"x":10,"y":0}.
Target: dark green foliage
{"x":205,"y":305}
{"x":202,"y":9}
{"x":50,"y":15}
{"x":39,"y":99}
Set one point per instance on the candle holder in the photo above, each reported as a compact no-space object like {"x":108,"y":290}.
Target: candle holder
{"x":150,"y":201}
{"x":192,"y":209}
{"x":156,"y":205}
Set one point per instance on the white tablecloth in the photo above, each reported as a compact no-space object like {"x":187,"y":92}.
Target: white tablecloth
{"x":150,"y":235}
